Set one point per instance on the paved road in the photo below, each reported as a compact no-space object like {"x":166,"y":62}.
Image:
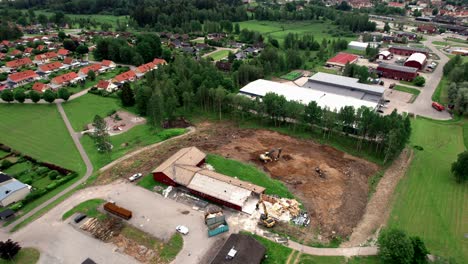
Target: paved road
{"x":89,"y":170}
{"x":422,"y":104}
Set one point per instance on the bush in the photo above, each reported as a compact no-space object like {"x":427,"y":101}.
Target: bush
{"x":52,"y":185}
{"x":6,"y":164}
{"x":42,"y":170}
{"x":395,"y":247}
{"x":34,"y":195}
{"x":53,"y":175}
{"x":419,"y":81}
{"x":16,"y":206}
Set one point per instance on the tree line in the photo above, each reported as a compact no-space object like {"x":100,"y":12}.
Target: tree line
{"x":456,"y":73}
{"x":184,"y":85}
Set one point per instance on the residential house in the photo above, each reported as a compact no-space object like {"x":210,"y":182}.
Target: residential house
{"x":428,"y":29}
{"x":70,"y":63}
{"x":241,"y":55}
{"x":94,"y":67}
{"x":65,"y":79}
{"x":128,"y":76}
{"x":2,"y":56}
{"x":15,"y":64}
{"x":159,"y":61}
{"x":62,"y":53}
{"x":20,"y":78}
{"x":147,"y":67}
{"x":45,"y":57}
{"x":12,"y":190}
{"x":106,"y":85}
{"x":15,"y":53}
{"x":396,"y":4}
{"x":49,"y":67}
{"x":40,"y":87}
{"x":28,"y":51}
{"x":108,"y":64}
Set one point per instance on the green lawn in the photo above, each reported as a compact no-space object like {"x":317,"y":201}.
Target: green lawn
{"x":139,"y":136}
{"x":292,"y":76}
{"x":81,"y":111}
{"x":309,"y":259}
{"x":248,"y":173}
{"x":88,"y":207}
{"x":39,"y":131}
{"x":18,"y":168}
{"x":441,"y":93}
{"x":98,"y":18}
{"x":277,"y":253}
{"x":149,"y":183}
{"x":279,"y":30}
{"x":429,"y":203}
{"x":25,"y":256}
{"x":172,"y":248}
{"x":219,"y":55}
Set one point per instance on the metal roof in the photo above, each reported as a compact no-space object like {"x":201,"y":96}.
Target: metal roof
{"x":358,"y":44}
{"x":397,"y":67}
{"x":424,"y":50}
{"x":345,"y":82}
{"x":418,"y":57}
{"x":11,"y":187}
{"x":304,"y":95}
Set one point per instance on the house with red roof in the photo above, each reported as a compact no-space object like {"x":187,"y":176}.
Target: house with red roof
{"x":40,"y":87}
{"x":28,"y":51}
{"x":70,"y":63}
{"x":128,"y":76}
{"x":106,"y":85}
{"x":65,"y":79}
{"x":40,"y":47}
{"x":147,"y":67}
{"x":15,"y":53}
{"x":94,"y":67}
{"x":62,"y":53}
{"x":396,"y":4}
{"x":50,"y":67}
{"x":158,"y":61}
{"x":6,"y":43}
{"x":23,"y":77}
{"x":15,"y":64}
{"x":341,"y":59}
{"x":108,"y":64}
{"x":2,"y":56}
{"x":45,"y":57}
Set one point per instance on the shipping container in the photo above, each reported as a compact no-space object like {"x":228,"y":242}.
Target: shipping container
{"x":118,"y":211}
{"x":218,"y":229}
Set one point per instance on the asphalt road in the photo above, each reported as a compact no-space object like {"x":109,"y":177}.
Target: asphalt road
{"x":89,"y":170}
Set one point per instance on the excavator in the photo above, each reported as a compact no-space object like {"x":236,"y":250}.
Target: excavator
{"x":265,"y":219}
{"x":269,"y":156}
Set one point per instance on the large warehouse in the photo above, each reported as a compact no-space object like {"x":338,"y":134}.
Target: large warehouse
{"x":184,"y":168}
{"x":416,"y":60}
{"x":397,"y":72}
{"x":328,"y":90}
{"x":407,"y":51}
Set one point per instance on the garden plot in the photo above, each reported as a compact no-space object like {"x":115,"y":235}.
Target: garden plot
{"x":121,"y":122}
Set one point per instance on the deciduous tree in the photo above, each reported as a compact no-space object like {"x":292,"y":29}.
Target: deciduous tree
{"x":49,"y":96}
{"x":7,"y":96}
{"x":127,"y":96}
{"x":20,"y":96}
{"x":63,"y":93}
{"x":35,"y":96}
{"x":460,"y":167}
{"x":395,"y":247}
{"x":9,"y":249}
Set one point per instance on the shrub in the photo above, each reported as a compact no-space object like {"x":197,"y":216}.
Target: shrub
{"x":42,"y":170}
{"x":34,"y":195}
{"x":53,"y":175}
{"x":52,"y":185}
{"x":6,"y":164}
{"x":395,"y":247}
{"x":419,"y":81}
{"x":16,"y":206}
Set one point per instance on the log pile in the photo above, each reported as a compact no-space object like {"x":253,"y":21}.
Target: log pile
{"x":103,"y":230}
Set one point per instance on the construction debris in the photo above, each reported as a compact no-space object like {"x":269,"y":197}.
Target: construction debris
{"x":282,"y":209}
{"x":103,"y":230}
{"x":302,"y":219}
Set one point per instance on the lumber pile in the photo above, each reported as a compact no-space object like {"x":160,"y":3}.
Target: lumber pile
{"x":282,"y":209}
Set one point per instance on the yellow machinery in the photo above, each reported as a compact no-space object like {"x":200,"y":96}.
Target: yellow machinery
{"x":265,"y":219}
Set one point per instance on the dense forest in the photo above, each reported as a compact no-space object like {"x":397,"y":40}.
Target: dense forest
{"x":456,"y":75}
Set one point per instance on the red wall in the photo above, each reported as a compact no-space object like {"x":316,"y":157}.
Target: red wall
{"x":161,"y":177}
{"x":414,"y":64}
{"x":393,"y":74}
{"x":216,"y":200}
{"x":404,"y":52}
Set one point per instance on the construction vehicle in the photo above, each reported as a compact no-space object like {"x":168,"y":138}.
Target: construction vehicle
{"x":265,"y":219}
{"x":269,"y":156}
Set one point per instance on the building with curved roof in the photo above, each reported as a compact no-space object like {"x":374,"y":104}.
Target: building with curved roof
{"x":416,"y":60}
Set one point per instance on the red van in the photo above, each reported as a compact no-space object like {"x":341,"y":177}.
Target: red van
{"x":438,"y":106}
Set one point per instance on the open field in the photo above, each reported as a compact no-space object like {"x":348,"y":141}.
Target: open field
{"x":88,"y":207}
{"x":279,"y":30}
{"x":219,"y":55}
{"x":82,"y":111}
{"x":110,"y":19}
{"x":39,"y":131}
{"x":429,"y":203}
{"x":25,"y":256}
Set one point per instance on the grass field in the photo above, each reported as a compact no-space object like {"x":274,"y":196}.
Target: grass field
{"x":39,"y":131}
{"x":110,"y":19}
{"x":292,"y":76}
{"x":139,"y":136}
{"x":219,"y":55}
{"x":81,"y":111}
{"x":429,"y":203}
{"x":248,"y":173}
{"x":149,"y":183}
{"x":88,"y":207}
{"x":25,"y":256}
{"x":279,"y":30}
{"x":441,"y":93}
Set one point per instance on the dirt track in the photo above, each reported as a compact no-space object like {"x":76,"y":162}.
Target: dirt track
{"x":336,"y":202}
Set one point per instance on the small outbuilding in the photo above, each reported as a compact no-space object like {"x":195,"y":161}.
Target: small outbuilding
{"x":240,"y":249}
{"x":416,"y":60}
{"x":356,"y":45}
{"x":385,"y":55}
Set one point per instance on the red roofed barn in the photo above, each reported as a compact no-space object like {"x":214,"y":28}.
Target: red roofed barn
{"x":341,"y":59}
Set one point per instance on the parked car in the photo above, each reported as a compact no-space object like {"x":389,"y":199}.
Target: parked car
{"x":391,"y":86}
{"x":79,"y":218}
{"x":135,"y":177}
{"x":182,"y":229}
{"x":438,"y":106}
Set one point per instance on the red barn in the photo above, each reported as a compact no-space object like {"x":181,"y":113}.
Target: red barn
{"x":397,"y":72}
{"x":407,"y":51}
{"x":183,"y":169}
{"x":341,"y":59}
{"x":428,"y":29}
{"x":416,"y":60}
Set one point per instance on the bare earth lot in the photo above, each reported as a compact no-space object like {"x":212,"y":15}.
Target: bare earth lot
{"x":336,"y":202}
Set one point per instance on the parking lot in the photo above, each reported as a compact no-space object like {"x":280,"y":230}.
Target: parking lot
{"x":60,"y":242}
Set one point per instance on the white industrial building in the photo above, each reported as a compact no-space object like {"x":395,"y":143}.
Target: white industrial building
{"x":11,"y":190}
{"x":328,"y":90}
{"x":356,"y":45}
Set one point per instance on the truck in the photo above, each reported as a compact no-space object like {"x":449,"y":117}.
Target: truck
{"x":217,"y":229}
{"x":117,"y":210}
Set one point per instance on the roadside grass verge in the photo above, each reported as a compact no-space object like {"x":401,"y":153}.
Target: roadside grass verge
{"x":440,"y":95}
{"x":309,"y":259}
{"x":88,"y":207}
{"x":39,"y":131}
{"x":413,"y":91}
{"x":24,"y":256}
{"x":428,"y":202}
{"x":219,"y":55}
{"x":172,"y":248}
{"x":138,"y":136}
{"x":248,"y":173}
